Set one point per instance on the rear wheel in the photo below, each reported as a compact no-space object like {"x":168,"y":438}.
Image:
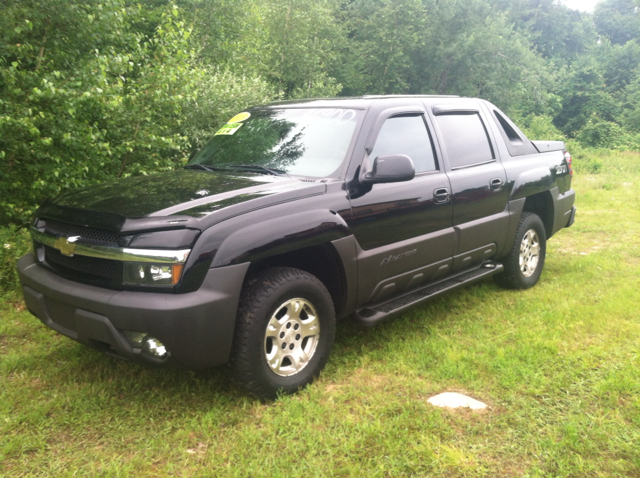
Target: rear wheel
{"x":284,"y":332}
{"x":525,"y":261}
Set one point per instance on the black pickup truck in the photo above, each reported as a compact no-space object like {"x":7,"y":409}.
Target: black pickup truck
{"x":296,"y":214}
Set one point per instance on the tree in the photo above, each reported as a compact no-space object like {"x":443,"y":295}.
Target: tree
{"x":584,"y":94}
{"x":471,"y":51}
{"x":617,"y":20}
{"x":557,"y":32}
{"x":383,"y":38}
{"x":298,"y":41}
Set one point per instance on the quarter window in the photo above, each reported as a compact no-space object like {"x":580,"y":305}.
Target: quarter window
{"x":465,"y":139}
{"x":406,"y":135}
{"x":513,"y":137}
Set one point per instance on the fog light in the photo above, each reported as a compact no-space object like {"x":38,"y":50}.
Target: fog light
{"x":154,"y":347}
{"x":149,"y":344}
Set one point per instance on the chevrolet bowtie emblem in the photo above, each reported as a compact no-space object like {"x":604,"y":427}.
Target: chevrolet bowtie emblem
{"x":66,"y":245}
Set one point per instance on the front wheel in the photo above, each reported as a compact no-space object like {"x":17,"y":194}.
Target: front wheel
{"x":525,"y":261}
{"x":284,"y":332}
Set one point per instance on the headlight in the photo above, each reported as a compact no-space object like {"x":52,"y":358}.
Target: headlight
{"x":152,"y":274}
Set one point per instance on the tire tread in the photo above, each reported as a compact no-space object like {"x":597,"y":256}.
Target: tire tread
{"x":511,"y":277}
{"x":258,"y":291}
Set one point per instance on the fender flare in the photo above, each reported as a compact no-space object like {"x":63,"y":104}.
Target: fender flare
{"x":260,"y":240}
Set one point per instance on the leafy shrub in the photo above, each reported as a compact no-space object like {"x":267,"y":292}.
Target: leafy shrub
{"x":109,"y":104}
{"x":541,"y":128}
{"x":221,"y":95}
{"x":599,"y":133}
{"x":14,"y":243}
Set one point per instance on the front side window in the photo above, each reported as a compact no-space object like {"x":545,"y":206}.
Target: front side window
{"x":406,"y":135}
{"x":465,"y":139}
{"x":299,"y":141}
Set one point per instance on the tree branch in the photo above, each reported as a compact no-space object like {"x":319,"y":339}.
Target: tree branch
{"x":126,"y":156}
{"x":44,"y":40}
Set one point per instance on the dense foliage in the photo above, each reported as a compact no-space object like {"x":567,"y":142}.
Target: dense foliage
{"x":97,"y":89}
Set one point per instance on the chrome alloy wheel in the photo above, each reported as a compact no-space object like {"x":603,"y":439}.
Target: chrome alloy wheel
{"x":529,"y":253}
{"x":291,"y":337}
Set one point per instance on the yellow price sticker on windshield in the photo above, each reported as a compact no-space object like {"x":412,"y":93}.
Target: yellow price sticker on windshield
{"x":229,"y":129}
{"x":239,"y":118}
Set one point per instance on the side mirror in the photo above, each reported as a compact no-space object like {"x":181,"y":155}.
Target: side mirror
{"x":390,"y":168}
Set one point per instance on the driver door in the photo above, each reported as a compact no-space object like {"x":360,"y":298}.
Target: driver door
{"x":404,"y":230}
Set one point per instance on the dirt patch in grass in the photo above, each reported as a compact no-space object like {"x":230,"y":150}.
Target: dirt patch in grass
{"x":366,"y":379}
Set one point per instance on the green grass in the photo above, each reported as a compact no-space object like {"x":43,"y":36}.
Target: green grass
{"x":558,"y":365}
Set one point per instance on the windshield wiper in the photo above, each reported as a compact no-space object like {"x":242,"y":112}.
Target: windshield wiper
{"x":257,"y":167}
{"x":200,"y":166}
{"x":230,"y":167}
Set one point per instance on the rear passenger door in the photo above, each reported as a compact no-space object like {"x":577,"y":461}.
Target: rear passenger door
{"x":478,"y":182}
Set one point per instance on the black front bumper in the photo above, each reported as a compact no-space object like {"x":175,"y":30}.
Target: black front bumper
{"x":196,"y":327}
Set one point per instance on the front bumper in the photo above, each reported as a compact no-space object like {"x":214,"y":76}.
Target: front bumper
{"x":196,"y":327}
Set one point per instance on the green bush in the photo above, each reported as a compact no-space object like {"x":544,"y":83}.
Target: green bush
{"x":599,"y":133}
{"x":221,"y":95}
{"x":540,"y":128}
{"x":14,"y":243}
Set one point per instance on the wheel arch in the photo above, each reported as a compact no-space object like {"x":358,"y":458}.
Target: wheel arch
{"x":322,"y":261}
{"x":542,"y":205}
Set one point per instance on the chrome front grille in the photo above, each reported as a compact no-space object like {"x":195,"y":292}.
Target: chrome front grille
{"x":82,"y":267}
{"x":92,"y":254}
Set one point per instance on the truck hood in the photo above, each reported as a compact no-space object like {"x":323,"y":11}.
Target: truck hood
{"x":186,"y":193}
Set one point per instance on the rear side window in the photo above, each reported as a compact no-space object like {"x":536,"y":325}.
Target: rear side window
{"x":466,"y":140}
{"x":406,"y":135}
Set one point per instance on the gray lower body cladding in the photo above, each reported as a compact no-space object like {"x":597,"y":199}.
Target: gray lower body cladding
{"x":196,"y":328}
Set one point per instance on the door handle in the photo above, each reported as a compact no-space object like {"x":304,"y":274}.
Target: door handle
{"x":441,"y":196}
{"x":496,"y":184}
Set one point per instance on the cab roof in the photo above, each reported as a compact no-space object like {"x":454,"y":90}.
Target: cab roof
{"x":362,"y":102}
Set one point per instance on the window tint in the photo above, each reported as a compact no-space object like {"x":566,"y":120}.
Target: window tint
{"x":406,"y":135}
{"x":511,"y":133}
{"x":465,"y":139}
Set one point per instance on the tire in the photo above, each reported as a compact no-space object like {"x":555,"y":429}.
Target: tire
{"x":525,"y":261}
{"x":284,"y":332}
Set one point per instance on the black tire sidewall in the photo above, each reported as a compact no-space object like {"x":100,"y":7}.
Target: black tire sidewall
{"x":512,"y":277}
{"x":305,"y":286}
{"x":529,"y":222}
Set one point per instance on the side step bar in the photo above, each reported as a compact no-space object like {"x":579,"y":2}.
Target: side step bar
{"x":372,"y":314}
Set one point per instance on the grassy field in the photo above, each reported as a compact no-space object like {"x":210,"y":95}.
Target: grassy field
{"x":558,"y":365}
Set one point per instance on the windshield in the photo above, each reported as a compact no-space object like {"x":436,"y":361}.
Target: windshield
{"x":299,"y":141}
